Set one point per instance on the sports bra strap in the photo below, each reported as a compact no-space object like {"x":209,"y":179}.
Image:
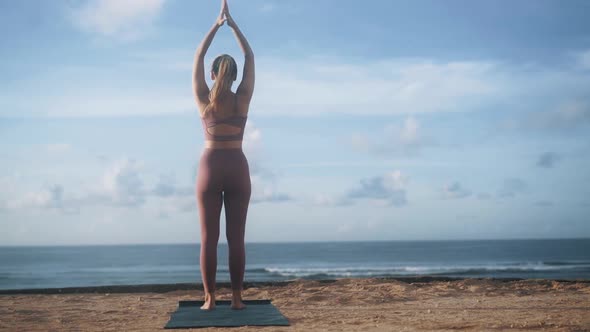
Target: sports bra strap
{"x":233,"y":120}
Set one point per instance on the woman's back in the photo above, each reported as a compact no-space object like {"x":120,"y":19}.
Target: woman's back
{"x":228,"y":106}
{"x":226,"y":122}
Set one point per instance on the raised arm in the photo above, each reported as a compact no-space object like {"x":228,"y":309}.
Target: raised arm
{"x":246,"y":87}
{"x":200,"y":88}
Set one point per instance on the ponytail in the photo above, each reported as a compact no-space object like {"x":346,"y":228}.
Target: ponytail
{"x":226,"y":71}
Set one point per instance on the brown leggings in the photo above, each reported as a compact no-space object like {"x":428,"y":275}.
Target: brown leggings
{"x":223,"y":178}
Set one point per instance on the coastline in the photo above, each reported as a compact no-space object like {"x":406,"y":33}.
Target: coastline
{"x":164,"y":288}
{"x":344,"y":304}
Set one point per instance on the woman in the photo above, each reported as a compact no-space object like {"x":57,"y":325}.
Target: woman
{"x":224,"y":175}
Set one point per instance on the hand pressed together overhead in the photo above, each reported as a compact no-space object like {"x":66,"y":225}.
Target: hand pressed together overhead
{"x":225,"y":16}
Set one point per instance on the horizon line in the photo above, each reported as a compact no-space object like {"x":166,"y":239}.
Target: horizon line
{"x":282,"y":242}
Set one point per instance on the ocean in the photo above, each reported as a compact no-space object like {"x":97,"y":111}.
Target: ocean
{"x":78,"y":266}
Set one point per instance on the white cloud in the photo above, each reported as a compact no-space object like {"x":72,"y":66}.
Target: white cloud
{"x":265,"y":190}
{"x":361,"y":142}
{"x":123,"y":19}
{"x":512,"y":187}
{"x":455,"y":190}
{"x":346,"y":227}
{"x":548,"y":159}
{"x":567,"y":115}
{"x":267,"y":7}
{"x":409,"y":133}
{"x":484,"y":196}
{"x":406,"y":139}
{"x":543,"y":203}
{"x":170,"y":206}
{"x":384,"y":190}
{"x":583,"y":59}
{"x":322,"y":199}
{"x":51,"y":197}
{"x":264,"y":181}
{"x":330,"y":85}
{"x":306,"y":86}
{"x":253,"y":147}
{"x":122,"y":184}
{"x":166,"y":187}
{"x":80,"y":91}
{"x":58,"y":148}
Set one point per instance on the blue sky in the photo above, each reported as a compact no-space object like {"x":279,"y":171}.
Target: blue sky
{"x":372,"y":120}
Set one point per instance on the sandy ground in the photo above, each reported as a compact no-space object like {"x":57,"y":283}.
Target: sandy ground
{"x":341,"y":305}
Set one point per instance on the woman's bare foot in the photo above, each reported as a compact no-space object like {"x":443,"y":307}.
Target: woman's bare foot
{"x":236,"y":301}
{"x":209,"y":302}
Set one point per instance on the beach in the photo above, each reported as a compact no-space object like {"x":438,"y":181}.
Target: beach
{"x":345,"y":304}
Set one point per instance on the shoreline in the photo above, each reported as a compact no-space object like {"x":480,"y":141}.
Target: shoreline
{"x":165,"y":288}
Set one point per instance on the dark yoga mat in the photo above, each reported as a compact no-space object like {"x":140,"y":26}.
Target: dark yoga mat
{"x":257,"y":312}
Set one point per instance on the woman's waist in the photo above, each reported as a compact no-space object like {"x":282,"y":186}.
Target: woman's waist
{"x":223,"y":145}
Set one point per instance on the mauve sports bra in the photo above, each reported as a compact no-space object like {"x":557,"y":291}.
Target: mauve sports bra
{"x":233,"y":120}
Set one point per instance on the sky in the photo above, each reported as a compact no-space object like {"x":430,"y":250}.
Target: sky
{"x":371,"y":120}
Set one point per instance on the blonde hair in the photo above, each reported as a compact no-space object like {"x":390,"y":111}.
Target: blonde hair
{"x":226,"y":71}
